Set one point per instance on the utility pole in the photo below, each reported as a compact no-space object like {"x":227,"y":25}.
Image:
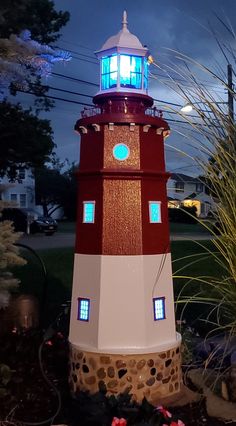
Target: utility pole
{"x":230,"y":94}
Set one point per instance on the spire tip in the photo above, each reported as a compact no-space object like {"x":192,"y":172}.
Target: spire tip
{"x":124,"y":20}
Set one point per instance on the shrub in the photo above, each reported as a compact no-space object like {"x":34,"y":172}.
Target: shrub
{"x":183,"y":215}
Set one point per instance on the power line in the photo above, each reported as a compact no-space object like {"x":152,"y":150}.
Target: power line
{"x":204,"y":83}
{"x":80,"y":103}
{"x":77,"y":53}
{"x":67,"y":91}
{"x":54,"y":97}
{"x":75,"y":79}
{"x":97,"y":85}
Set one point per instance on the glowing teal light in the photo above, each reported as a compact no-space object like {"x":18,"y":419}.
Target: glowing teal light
{"x":155,"y":211}
{"x":131,"y":71}
{"x":89,"y":212}
{"x":159,"y":308}
{"x":83,"y":309}
{"x":123,"y":71}
{"x":109,"y":72}
{"x":121,"y":151}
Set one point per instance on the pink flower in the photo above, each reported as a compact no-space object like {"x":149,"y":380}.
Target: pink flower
{"x":178,"y":423}
{"x":163,"y":411}
{"x":118,"y":422}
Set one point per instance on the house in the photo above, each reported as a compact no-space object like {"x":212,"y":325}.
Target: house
{"x":22,"y":191}
{"x":188,"y":191}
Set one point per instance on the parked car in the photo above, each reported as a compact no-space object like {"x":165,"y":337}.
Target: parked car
{"x":26,"y":220}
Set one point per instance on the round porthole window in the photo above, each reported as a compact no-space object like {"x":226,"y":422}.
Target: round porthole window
{"x":121,"y":151}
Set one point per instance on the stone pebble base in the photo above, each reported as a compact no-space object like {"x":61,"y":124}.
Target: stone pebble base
{"x":154,"y":376}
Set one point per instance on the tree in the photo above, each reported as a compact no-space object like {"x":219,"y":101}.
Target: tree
{"x":50,"y":189}
{"x":23,"y":59}
{"x":25,"y":140}
{"x":70,"y":199}
{"x":55,"y":189}
{"x":38,"y":16}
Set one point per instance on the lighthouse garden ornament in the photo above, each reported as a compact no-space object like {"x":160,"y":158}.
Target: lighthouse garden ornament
{"x":122,"y":325}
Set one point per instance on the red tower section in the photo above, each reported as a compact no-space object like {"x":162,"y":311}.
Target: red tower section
{"x":122,"y":190}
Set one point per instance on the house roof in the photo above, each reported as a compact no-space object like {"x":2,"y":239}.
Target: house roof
{"x":180,"y":177}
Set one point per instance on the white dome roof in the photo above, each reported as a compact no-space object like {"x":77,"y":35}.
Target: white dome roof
{"x":123,"y":39}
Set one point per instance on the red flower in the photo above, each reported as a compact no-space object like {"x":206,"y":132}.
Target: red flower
{"x":178,"y":423}
{"x":118,"y":422}
{"x":165,"y":412}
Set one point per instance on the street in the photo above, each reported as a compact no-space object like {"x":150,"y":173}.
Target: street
{"x":66,"y":239}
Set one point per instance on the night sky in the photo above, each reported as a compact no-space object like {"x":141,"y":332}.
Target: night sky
{"x":182,"y":25}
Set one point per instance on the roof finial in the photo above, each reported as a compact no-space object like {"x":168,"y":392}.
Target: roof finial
{"x":124,"y":20}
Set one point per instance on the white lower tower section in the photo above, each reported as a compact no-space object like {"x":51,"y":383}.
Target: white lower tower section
{"x":121,"y":291}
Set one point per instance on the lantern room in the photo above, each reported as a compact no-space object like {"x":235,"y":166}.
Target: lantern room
{"x":123,"y":63}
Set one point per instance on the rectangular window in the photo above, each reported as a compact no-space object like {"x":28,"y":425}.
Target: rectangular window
{"x":131,"y":71}
{"x":109,"y":72}
{"x":155,"y":211}
{"x":159,"y":308}
{"x":21,"y":174}
{"x":83,"y":309}
{"x":88,"y":211}
{"x":22,"y":200}
{"x":14,"y":198}
{"x":199,"y":187}
{"x":179,"y":186}
{"x":145,"y":73}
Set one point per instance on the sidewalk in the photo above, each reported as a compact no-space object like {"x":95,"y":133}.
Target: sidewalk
{"x":61,"y":239}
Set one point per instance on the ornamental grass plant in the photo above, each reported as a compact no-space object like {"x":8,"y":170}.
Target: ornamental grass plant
{"x":210,"y":131}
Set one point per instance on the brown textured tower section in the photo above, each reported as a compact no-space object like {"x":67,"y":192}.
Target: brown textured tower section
{"x":122,"y":219}
{"x":123,"y":134}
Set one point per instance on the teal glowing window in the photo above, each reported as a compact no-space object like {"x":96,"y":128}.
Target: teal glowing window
{"x":131,"y":71}
{"x":145,"y":83}
{"x":109,"y":72}
{"x":155,"y":211}
{"x":88,"y":211}
{"x":121,"y":151}
{"x":159,"y":308}
{"x":83,"y":309}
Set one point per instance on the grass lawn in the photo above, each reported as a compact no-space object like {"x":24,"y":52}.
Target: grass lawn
{"x":58,"y":282}
{"x":67,"y":227}
{"x":187,"y":228}
{"x":175,"y":228}
{"x":59,"y":266}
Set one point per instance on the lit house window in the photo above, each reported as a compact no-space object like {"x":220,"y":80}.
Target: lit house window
{"x":159,"y":308}
{"x":155,"y":211}
{"x":83,"y":309}
{"x":88,"y":211}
